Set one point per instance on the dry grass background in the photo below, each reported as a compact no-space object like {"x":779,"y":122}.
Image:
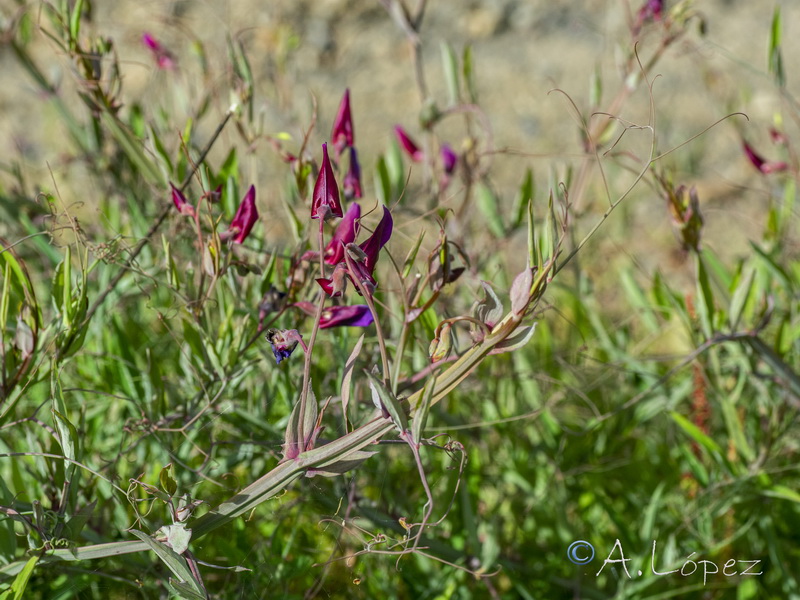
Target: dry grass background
{"x":522,"y":50}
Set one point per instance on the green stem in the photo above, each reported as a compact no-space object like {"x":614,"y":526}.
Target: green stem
{"x":317,"y":318}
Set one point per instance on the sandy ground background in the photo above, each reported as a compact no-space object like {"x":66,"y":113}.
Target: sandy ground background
{"x":522,"y":50}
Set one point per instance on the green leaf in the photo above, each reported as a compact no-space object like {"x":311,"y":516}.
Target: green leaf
{"x":638,"y":300}
{"x":533,"y":259}
{"x":777,"y":270}
{"x":705,"y":308}
{"x":348,"y":375}
{"x":75,"y":22}
{"x":230,"y":167}
{"x":775,"y":65}
{"x":132,"y":148}
{"x":595,"y":88}
{"x":186,"y":590}
{"x":389,"y":402}
{"x":343,"y":465}
{"x":450,"y":66}
{"x":168,"y":484}
{"x":174,"y":561}
{"x":383,"y":186}
{"x":412,"y":255}
{"x":297,"y":434}
{"x":740,"y":296}
{"x":17,"y":589}
{"x":782,"y":492}
{"x":651,"y":512}
{"x":694,"y":432}
{"x":523,"y":199}
{"x":469,"y":75}
{"x":395,"y":168}
{"x":294,"y":221}
{"x":489,"y":206}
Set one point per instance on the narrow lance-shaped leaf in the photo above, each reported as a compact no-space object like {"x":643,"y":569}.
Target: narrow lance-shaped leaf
{"x":533,"y":260}
{"x":383,"y":186}
{"x":20,"y":583}
{"x":523,"y":199}
{"x":390,"y":403}
{"x":489,"y":206}
{"x":469,"y":75}
{"x":5,"y":299}
{"x":310,"y":420}
{"x":775,"y":57}
{"x":412,"y":255}
{"x":706,"y":304}
{"x":348,"y":375}
{"x":450,"y":66}
{"x":174,"y":561}
{"x":740,"y":296}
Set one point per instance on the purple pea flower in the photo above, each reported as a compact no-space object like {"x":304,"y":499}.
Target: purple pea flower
{"x":342,"y":134}
{"x":339,"y":316}
{"x":365,"y":256}
{"x":352,"y":180}
{"x":449,"y":159}
{"x":345,"y":234}
{"x":408,"y":144}
{"x":181,"y":203}
{"x":337,"y":284}
{"x":373,"y":244}
{"x":759,"y":163}
{"x":165,"y":60}
{"x":284,"y":342}
{"x":325,"y":202}
{"x":246,"y":216}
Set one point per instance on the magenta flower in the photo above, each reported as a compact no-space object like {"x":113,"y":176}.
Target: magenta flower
{"x":777,"y":137}
{"x":246,"y":216}
{"x":408,"y":144}
{"x":164,"y":58}
{"x":342,"y":134}
{"x":365,"y":256}
{"x":759,"y":163}
{"x":352,"y":180}
{"x":449,"y":158}
{"x":340,"y":316}
{"x":345,"y":234}
{"x":373,"y":244}
{"x":181,"y":203}
{"x":650,"y":11}
{"x":325,"y":202}
{"x":337,"y":284}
